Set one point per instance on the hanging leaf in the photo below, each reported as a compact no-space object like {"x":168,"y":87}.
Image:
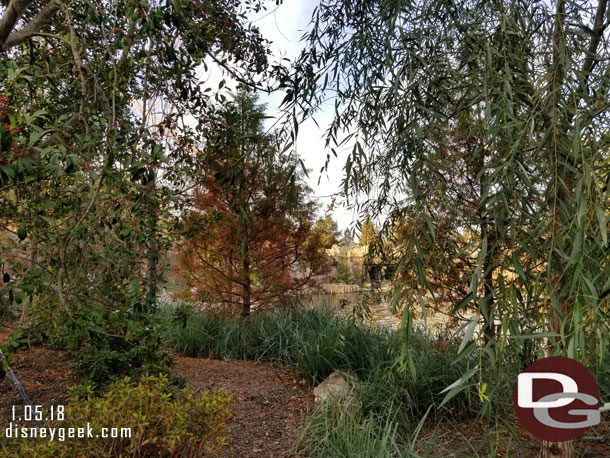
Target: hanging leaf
{"x":469,"y":332}
{"x":22,"y":232}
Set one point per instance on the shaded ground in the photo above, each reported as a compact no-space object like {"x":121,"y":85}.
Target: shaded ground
{"x":268,"y":398}
{"x":267,"y":408}
{"x":45,"y":374}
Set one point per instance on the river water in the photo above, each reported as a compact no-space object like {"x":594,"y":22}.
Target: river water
{"x":371,"y":306}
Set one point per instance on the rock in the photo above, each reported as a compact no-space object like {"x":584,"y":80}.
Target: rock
{"x":337,"y":384}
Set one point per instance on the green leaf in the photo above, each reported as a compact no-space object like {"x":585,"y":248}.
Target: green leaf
{"x":431,"y":228}
{"x":513,"y":432}
{"x":603,"y":223}
{"x":518,"y":267}
{"x":468,"y":333}
{"x":35,"y":135}
{"x":22,"y":232}
{"x":461,"y":380}
{"x":541,"y":335}
{"x":8,"y":170}
{"x":35,"y":273}
{"x":47,"y":219}
{"x":470,"y":346}
{"x":48,"y":204}
{"x":458,"y":386}
{"x":411,"y":363}
{"x":463,"y":302}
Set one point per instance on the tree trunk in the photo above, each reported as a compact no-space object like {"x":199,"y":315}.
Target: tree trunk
{"x":487,"y":232}
{"x":25,"y":306}
{"x":247,"y":289}
{"x":151,"y":274}
{"x":246,"y":282}
{"x":489,"y":328}
{"x":558,"y":449}
{"x":153,"y":252}
{"x":559,"y":157}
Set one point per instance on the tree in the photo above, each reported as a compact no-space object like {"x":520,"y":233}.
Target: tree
{"x":531,"y":79}
{"x":462,"y":222}
{"x":347,"y":238}
{"x":329,"y":231}
{"x":368,"y":233}
{"x":89,"y":184}
{"x":250,"y":237}
{"x":344,"y":272}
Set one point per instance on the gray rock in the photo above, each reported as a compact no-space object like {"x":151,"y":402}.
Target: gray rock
{"x":337,"y":384}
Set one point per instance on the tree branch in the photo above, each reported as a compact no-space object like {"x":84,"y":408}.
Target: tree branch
{"x":598,"y":30}
{"x":32,"y":28}
{"x":14,"y":11}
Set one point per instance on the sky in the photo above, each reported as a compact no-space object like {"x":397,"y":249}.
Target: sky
{"x":284,"y":25}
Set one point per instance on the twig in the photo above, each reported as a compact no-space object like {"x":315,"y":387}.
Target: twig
{"x":18,"y":385}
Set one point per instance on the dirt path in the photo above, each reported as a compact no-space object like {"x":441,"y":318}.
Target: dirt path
{"x":268,"y":403}
{"x":268,"y":398}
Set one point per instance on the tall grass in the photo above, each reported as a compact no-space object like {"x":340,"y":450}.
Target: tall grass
{"x":380,"y":419}
{"x":316,"y":342}
{"x":338,"y":428}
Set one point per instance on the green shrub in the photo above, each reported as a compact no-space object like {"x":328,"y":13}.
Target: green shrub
{"x":132,"y":351}
{"x":106,"y":346}
{"x":162,"y":423}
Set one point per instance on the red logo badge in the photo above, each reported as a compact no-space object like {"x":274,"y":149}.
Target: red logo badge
{"x":557,"y":399}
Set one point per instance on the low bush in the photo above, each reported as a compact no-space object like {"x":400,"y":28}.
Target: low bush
{"x":162,"y":422}
{"x":106,"y":346}
{"x":121,"y":346}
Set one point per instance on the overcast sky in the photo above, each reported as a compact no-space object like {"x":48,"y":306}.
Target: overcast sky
{"x":284,"y":26}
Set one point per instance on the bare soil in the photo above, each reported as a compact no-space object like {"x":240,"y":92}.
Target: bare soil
{"x":268,"y":398}
{"x":268,"y":401}
{"x":45,"y":375}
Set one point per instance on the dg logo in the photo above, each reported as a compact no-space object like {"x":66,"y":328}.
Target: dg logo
{"x":557,"y":399}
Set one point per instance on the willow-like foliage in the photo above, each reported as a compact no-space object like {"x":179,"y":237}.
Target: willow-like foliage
{"x":481,"y":128}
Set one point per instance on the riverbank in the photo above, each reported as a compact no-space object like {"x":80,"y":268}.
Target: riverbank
{"x":382,"y":417}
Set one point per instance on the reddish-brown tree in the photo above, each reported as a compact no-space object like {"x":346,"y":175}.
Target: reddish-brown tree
{"x":248,"y":235}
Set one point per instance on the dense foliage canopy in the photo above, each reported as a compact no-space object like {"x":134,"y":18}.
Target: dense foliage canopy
{"x":98,"y":101}
{"x":481,"y":128}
